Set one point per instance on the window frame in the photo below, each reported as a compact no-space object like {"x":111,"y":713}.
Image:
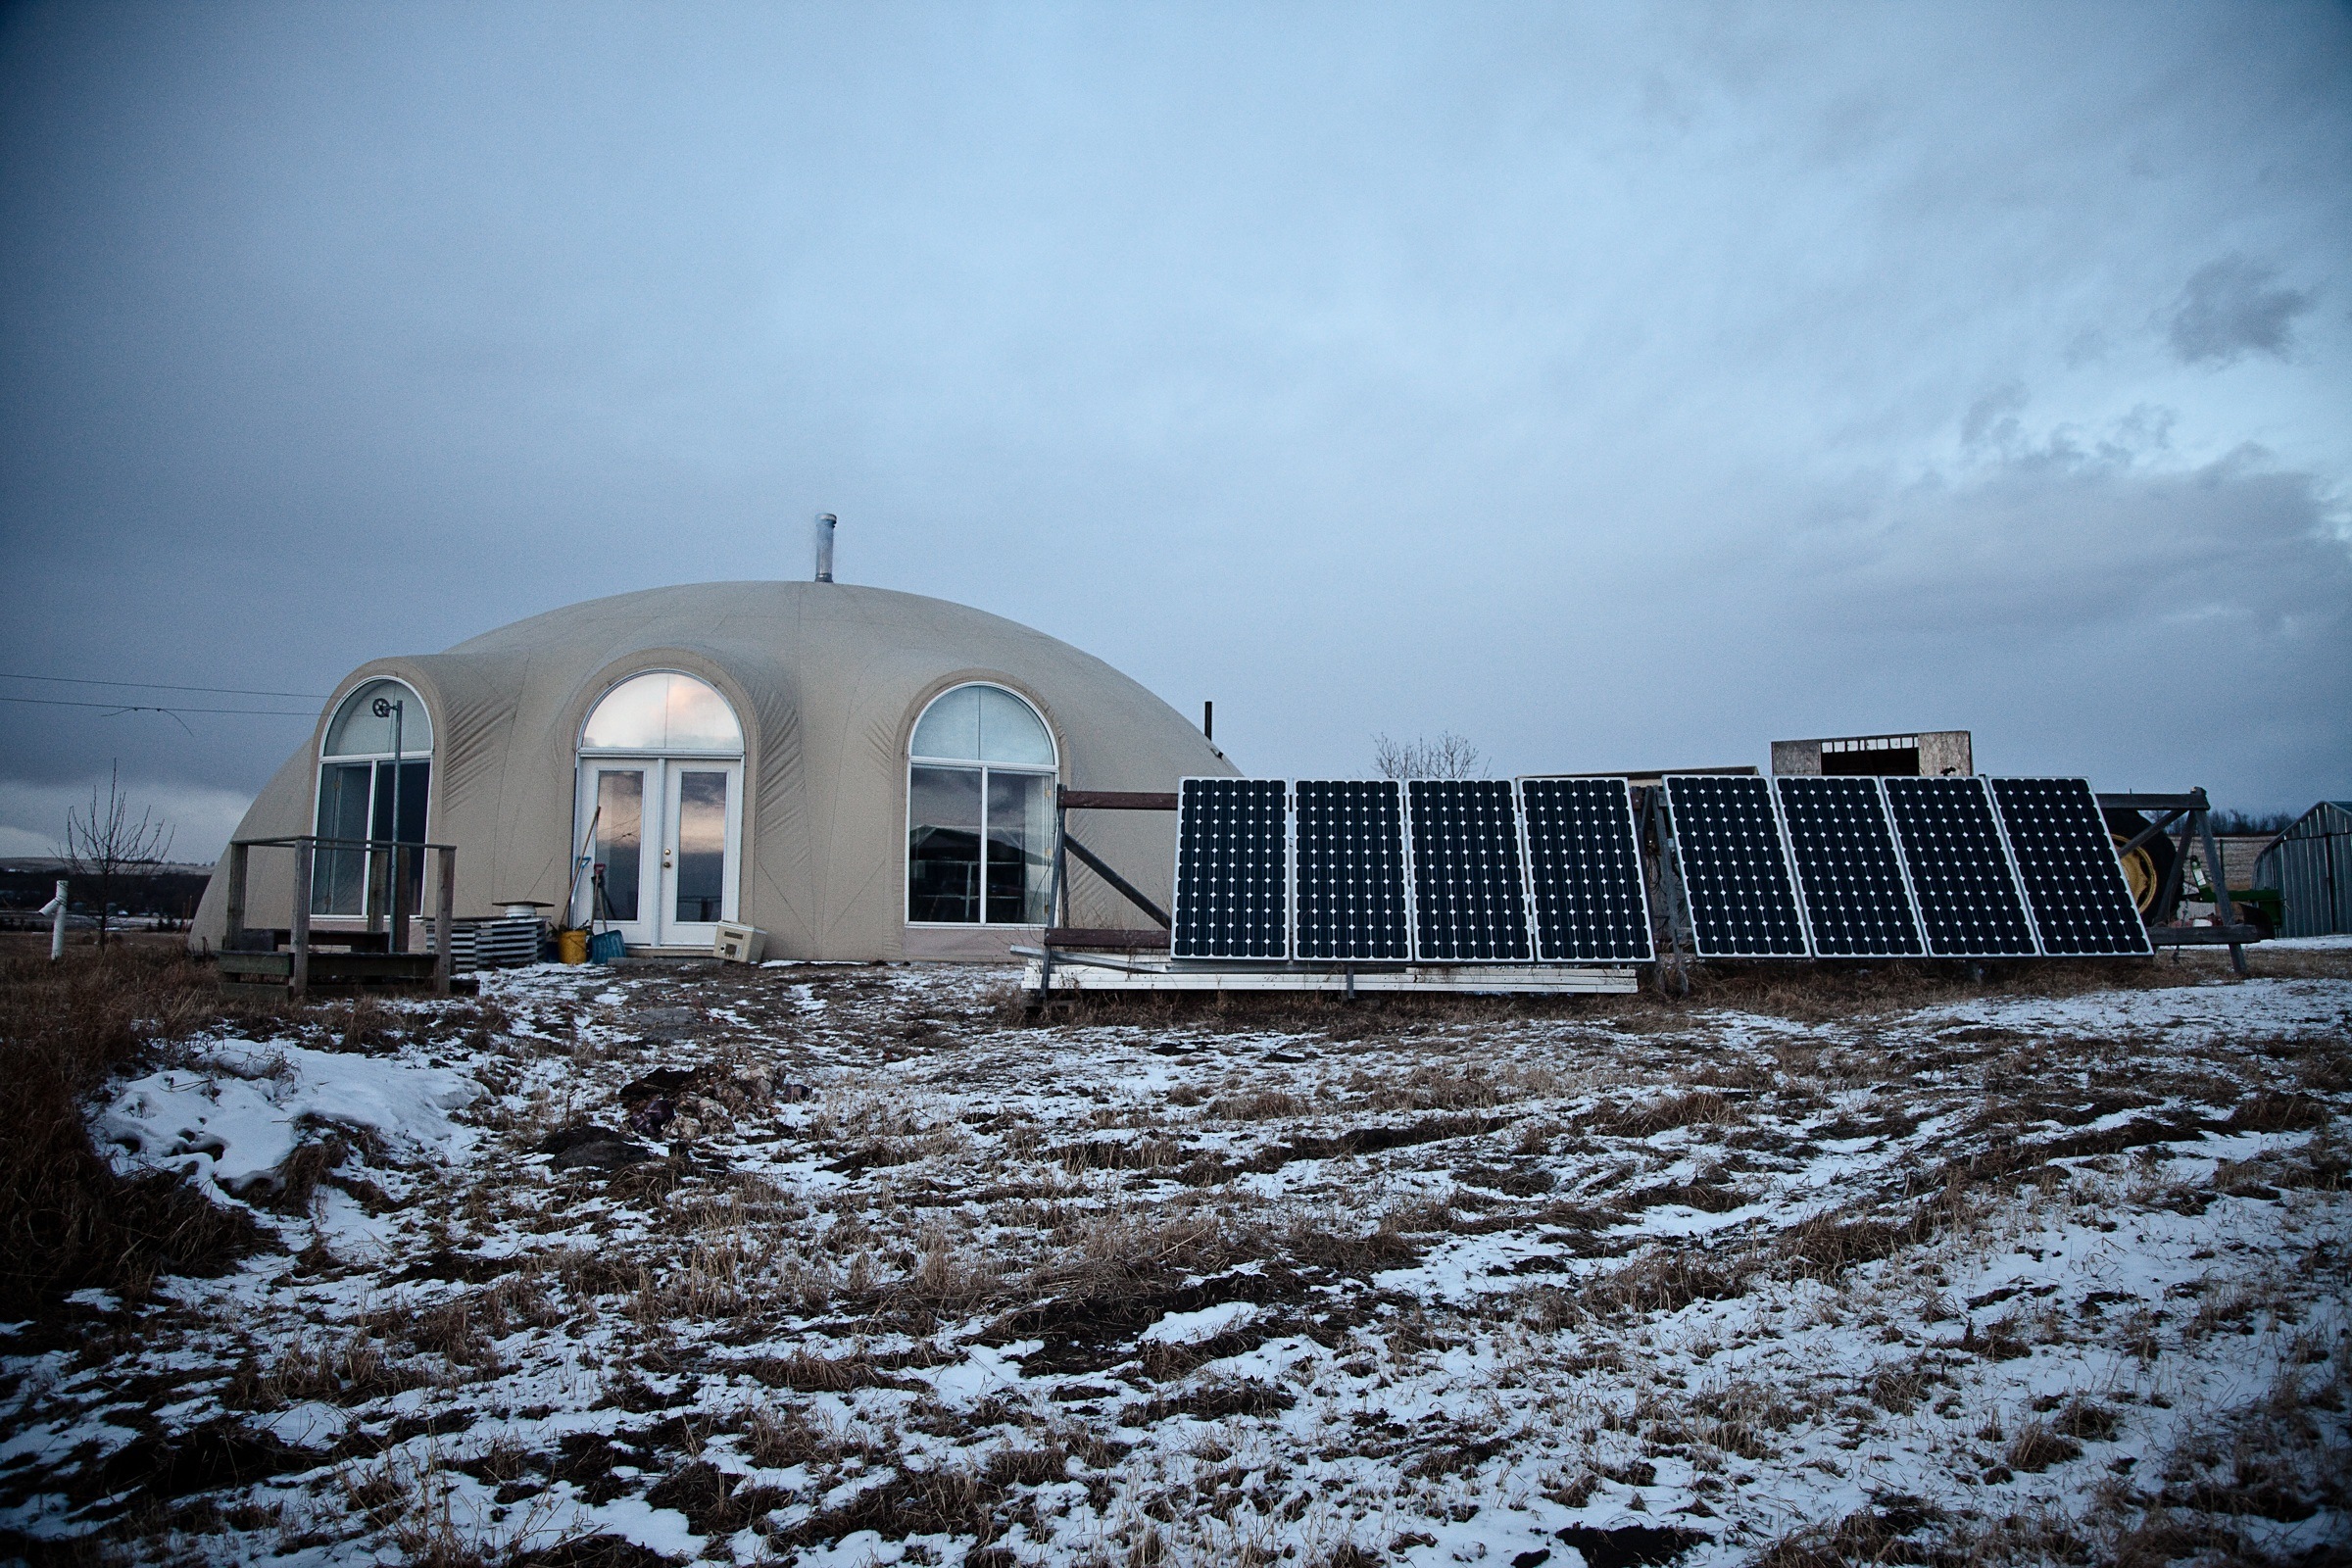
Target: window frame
{"x":736,"y":753}
{"x":375,"y":764}
{"x":1050,"y":772}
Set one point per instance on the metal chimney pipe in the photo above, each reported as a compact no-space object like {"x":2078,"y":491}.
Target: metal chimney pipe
{"x":826,"y":523}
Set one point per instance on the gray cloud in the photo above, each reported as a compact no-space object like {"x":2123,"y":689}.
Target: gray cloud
{"x":1606,"y":385}
{"x":2231,"y":309}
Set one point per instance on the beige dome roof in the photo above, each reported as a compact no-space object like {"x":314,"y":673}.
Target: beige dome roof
{"x":827,"y":680}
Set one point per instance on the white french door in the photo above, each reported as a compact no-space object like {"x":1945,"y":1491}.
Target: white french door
{"x":665,"y":849}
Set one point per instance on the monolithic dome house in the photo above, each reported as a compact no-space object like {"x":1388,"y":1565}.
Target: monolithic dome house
{"x":861,"y":773}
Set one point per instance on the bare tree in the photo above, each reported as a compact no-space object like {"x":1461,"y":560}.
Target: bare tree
{"x":107,"y":846}
{"x":1450,"y":755}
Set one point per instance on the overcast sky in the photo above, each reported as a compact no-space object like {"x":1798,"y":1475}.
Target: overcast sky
{"x":1614,"y":385}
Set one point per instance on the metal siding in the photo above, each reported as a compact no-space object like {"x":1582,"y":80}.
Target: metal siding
{"x":2315,"y":872}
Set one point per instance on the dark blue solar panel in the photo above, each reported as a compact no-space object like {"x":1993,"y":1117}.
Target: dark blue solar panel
{"x":2066,"y":857}
{"x":1848,"y":870}
{"x":1584,"y":864}
{"x":1969,"y":900}
{"x":1351,"y":901}
{"x":1232,"y":869}
{"x":1734,"y":868}
{"x":1469,"y":899}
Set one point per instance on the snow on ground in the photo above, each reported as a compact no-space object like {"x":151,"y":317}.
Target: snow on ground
{"x":860,"y":1266}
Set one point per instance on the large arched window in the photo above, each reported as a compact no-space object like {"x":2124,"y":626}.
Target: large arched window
{"x":979,"y":811}
{"x":660,"y":804}
{"x":375,"y":772}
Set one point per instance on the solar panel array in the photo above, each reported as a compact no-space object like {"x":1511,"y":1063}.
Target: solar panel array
{"x":1469,"y":898}
{"x":1969,"y":899}
{"x":1848,"y":871}
{"x":1351,"y":900}
{"x":2066,"y":858}
{"x":1735,"y":867}
{"x":1551,"y":869}
{"x":1584,"y":868}
{"x":1232,"y":869}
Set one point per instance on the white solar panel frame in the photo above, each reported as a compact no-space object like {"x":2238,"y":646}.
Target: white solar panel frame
{"x":2146,"y":949}
{"x":1290,"y":862}
{"x":1405,"y":832}
{"x":1804,"y":925}
{"x":1527,"y":868}
{"x":1902,"y":872}
{"x":2000,"y":833}
{"x":1412,"y":880}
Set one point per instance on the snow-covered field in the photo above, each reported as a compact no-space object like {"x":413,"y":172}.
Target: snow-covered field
{"x":886,"y":1272}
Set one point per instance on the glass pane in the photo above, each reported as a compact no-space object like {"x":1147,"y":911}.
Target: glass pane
{"x":619,"y":843}
{"x":702,"y":846}
{"x":663,"y":713}
{"x":357,"y":732}
{"x":339,"y":877}
{"x":700,"y":720}
{"x":416,"y":781}
{"x":1020,"y":846}
{"x":1011,"y":730}
{"x":943,"y":845}
{"x":950,"y":726}
{"x":632,"y":717}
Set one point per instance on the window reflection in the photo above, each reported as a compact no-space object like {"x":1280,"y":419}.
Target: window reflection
{"x":702,"y":846}
{"x":663,"y":711}
{"x":619,"y":841}
{"x":979,"y":811}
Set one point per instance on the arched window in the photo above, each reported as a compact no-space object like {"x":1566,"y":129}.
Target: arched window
{"x":661,"y":804}
{"x":980,"y":779}
{"x":376,"y":772}
{"x":663,"y":713}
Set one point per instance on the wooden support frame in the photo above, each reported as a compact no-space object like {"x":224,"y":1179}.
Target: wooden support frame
{"x":1062,"y":934}
{"x":305,"y":846}
{"x":2192,"y":810}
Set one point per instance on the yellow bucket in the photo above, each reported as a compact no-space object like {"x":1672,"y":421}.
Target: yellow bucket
{"x":572,"y":947}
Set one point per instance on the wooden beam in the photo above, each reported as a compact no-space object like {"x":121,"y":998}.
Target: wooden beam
{"x":1116,"y":800}
{"x":1098,"y":937}
{"x":2203,"y":936}
{"x":1120,"y":884}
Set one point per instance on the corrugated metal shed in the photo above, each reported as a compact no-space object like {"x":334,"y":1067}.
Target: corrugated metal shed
{"x":2310,"y":867}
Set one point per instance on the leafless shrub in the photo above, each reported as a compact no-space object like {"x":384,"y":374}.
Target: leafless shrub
{"x":1449,"y":756}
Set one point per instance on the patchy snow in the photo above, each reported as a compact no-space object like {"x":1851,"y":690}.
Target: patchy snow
{"x":2000,"y":1273}
{"x":231,"y":1120}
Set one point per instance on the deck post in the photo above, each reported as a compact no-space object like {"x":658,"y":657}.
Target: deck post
{"x":445,"y":902}
{"x":398,"y":903}
{"x":2219,"y":875}
{"x":298,"y":983}
{"x":233,"y":916}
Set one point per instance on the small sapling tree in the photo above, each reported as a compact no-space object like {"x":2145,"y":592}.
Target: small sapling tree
{"x":107,"y":846}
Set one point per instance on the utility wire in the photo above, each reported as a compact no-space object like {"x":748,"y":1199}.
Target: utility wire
{"x":150,"y":708}
{"x":162,"y":686}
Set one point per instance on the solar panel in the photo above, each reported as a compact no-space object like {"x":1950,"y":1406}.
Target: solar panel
{"x":1232,"y":869}
{"x":1351,"y":900}
{"x":1735,"y":867}
{"x":1848,"y":872}
{"x":1584,"y":866}
{"x":1969,"y":900}
{"x":2066,"y":858}
{"x":1469,"y":901}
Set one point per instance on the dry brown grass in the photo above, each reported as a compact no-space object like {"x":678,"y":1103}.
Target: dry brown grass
{"x":67,"y":1221}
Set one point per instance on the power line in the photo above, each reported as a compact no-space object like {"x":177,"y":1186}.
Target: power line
{"x":162,"y":686}
{"x":153,"y":707}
